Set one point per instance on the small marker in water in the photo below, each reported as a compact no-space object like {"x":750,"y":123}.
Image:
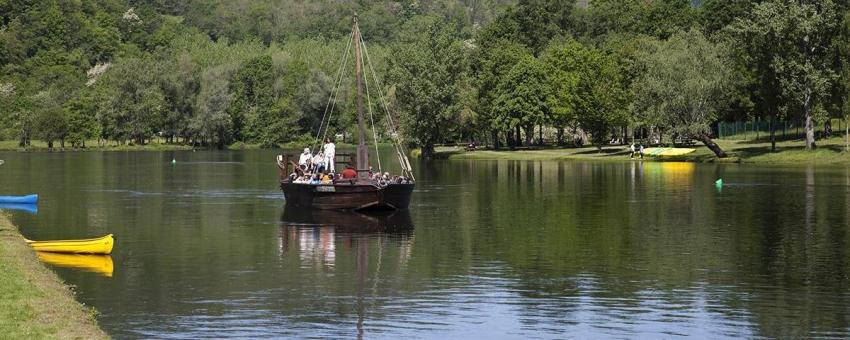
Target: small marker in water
{"x":173,"y":161}
{"x":719,"y":182}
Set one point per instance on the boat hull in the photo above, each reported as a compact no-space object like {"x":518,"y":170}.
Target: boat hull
{"x":101,"y":245}
{"x":28,"y":199}
{"x":347,"y":196}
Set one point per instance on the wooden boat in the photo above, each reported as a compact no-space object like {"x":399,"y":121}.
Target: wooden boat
{"x":101,"y":245}
{"x":662,"y":152}
{"x":362,"y":192}
{"x":100,"y":264}
{"x":28,"y":199}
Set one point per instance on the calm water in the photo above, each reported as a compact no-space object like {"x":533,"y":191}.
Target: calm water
{"x":489,"y":249}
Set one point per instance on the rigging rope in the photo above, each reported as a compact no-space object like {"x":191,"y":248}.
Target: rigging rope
{"x":400,"y":151}
{"x":333,"y":97}
{"x":371,"y":117}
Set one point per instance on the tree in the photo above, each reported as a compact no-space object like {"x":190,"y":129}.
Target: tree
{"x":252,"y":89}
{"x":135,"y":102}
{"x":789,"y":41}
{"x":490,"y":66}
{"x":657,"y":18}
{"x":523,"y":97}
{"x":599,"y":99}
{"x":684,"y":86}
{"x":428,"y":73}
{"x":841,"y":46}
{"x":213,"y":124}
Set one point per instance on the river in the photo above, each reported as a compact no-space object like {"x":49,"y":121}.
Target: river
{"x":489,"y":249}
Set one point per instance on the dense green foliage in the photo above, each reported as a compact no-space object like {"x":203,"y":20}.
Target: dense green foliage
{"x":513,"y":72}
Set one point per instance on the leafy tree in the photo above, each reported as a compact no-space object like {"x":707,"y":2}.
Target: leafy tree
{"x":684,"y":86}
{"x":252,"y":88}
{"x":788,"y":41}
{"x":213,"y":124}
{"x":599,"y":98}
{"x":657,"y":18}
{"x":428,"y":73}
{"x":491,"y":65}
{"x":523,"y":97}
{"x":135,"y":103}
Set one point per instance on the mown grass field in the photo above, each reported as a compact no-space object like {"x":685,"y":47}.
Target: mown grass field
{"x":829,"y":151}
{"x":34,"y":303}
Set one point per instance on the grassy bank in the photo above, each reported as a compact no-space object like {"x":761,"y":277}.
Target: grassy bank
{"x":830,"y":151}
{"x":34,"y":303}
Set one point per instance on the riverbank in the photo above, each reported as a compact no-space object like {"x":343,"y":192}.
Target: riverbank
{"x":36,"y":145}
{"x":34,"y":303}
{"x":829,"y":151}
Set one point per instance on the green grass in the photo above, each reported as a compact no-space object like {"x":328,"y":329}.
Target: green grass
{"x":829,"y":151}
{"x":34,"y":303}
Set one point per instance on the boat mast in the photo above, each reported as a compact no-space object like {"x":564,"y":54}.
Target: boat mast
{"x":362,"y":151}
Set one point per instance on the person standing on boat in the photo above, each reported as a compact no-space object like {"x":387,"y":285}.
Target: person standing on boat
{"x":305,"y":159}
{"x":330,"y":153}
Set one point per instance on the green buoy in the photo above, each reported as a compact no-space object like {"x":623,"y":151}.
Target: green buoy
{"x":719,"y":182}
{"x":173,"y":161}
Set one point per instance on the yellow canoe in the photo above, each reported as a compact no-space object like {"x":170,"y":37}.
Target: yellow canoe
{"x":100,"y":264}
{"x":101,"y":245}
{"x":667,"y":151}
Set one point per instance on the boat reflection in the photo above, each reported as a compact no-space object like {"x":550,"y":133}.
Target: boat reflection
{"x":30,"y":208}
{"x":321,"y":236}
{"x":391,"y":221}
{"x":314,"y":233}
{"x":100,"y":264}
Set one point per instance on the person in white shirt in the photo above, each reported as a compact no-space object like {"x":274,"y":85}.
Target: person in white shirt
{"x":319,"y":162}
{"x":330,"y":153}
{"x":305,"y":159}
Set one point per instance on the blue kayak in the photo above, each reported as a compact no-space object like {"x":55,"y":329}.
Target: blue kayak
{"x":28,"y":199}
{"x":30,"y":208}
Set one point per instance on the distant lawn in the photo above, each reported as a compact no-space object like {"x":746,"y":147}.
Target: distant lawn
{"x":829,"y":151}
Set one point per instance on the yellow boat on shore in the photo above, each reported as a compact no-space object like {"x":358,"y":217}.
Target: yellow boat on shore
{"x":667,"y":151}
{"x":101,"y":245}
{"x":100,"y":264}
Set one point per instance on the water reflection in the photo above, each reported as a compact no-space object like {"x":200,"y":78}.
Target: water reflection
{"x":314,"y":235}
{"x":99,"y":264}
{"x":30,"y":208}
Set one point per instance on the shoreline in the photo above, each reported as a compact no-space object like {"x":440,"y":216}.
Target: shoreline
{"x":829,"y":152}
{"x":34,"y":302}
{"x":39,"y":146}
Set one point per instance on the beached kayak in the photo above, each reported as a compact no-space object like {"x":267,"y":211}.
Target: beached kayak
{"x":28,"y":199}
{"x":101,"y":245}
{"x":101,"y":264}
{"x":667,"y":151}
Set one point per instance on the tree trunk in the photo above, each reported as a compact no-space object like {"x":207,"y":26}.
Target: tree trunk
{"x":560,"y":136}
{"x":846,"y":132}
{"x":50,"y":144}
{"x":529,"y":135}
{"x":705,"y":139}
{"x":428,"y":151}
{"x":518,"y":139}
{"x":810,"y":125}
{"x":496,"y":142}
{"x":773,"y":133}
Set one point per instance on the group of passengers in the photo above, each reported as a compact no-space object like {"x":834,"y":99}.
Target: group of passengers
{"x":320,"y":169}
